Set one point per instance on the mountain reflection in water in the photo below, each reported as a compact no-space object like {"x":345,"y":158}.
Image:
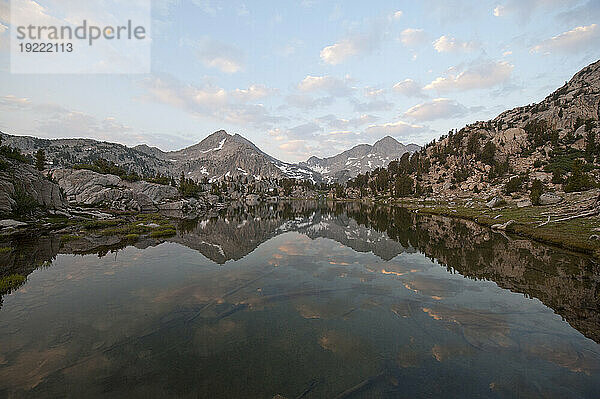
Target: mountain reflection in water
{"x":306,"y":300}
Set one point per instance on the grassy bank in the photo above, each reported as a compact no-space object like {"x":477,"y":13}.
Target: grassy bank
{"x":129,"y":228}
{"x":572,"y":234}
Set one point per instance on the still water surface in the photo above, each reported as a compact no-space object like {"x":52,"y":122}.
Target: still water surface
{"x":304,"y":301}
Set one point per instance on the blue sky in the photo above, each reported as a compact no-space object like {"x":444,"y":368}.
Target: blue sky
{"x":311,"y":77}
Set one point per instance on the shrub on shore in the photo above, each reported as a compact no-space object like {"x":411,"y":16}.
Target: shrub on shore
{"x":537,"y":188}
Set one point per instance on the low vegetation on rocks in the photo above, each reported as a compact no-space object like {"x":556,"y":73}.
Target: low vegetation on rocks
{"x":11,"y":283}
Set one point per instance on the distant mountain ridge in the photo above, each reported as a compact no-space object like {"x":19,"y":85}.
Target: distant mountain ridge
{"x":359,"y":159}
{"x":220,"y":155}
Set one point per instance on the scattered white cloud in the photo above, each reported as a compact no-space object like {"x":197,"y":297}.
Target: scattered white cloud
{"x":397,"y":14}
{"x":277,"y":134}
{"x":479,"y":76}
{"x":212,"y":101}
{"x":447,"y":44}
{"x":253,"y":93}
{"x":507,"y":53}
{"x":334,"y":86}
{"x":409,"y":88}
{"x":173,"y":93}
{"x":413,"y":37}
{"x":577,"y":39}
{"x":341,"y":51}
{"x":294,"y":142}
{"x":357,"y":44}
{"x":439,"y":108}
{"x":499,"y":11}
{"x":215,"y":54}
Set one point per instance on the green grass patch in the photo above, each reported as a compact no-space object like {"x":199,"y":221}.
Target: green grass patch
{"x":132,"y":237}
{"x":139,"y":226}
{"x":571,"y":234}
{"x":152,"y":218}
{"x":130,"y":228}
{"x":163,"y":233}
{"x":10,"y":283}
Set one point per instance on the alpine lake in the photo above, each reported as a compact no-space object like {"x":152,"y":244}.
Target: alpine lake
{"x":302,"y":300}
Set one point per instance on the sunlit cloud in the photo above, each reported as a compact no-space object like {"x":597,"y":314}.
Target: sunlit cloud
{"x":347,"y":48}
{"x":253,"y":93}
{"x":479,"y":76}
{"x":329,"y":84}
{"x":577,"y":39}
{"x":439,"y":108}
{"x":409,"y":88}
{"x":447,"y":44}
{"x":210,"y":101}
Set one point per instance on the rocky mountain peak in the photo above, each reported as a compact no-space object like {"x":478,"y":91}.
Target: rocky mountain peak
{"x":386,"y":141}
{"x":152,"y":151}
{"x":390,"y":145}
{"x":214,"y":142}
{"x":218,"y":135}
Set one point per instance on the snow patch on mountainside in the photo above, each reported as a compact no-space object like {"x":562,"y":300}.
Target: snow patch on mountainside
{"x":218,"y":148}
